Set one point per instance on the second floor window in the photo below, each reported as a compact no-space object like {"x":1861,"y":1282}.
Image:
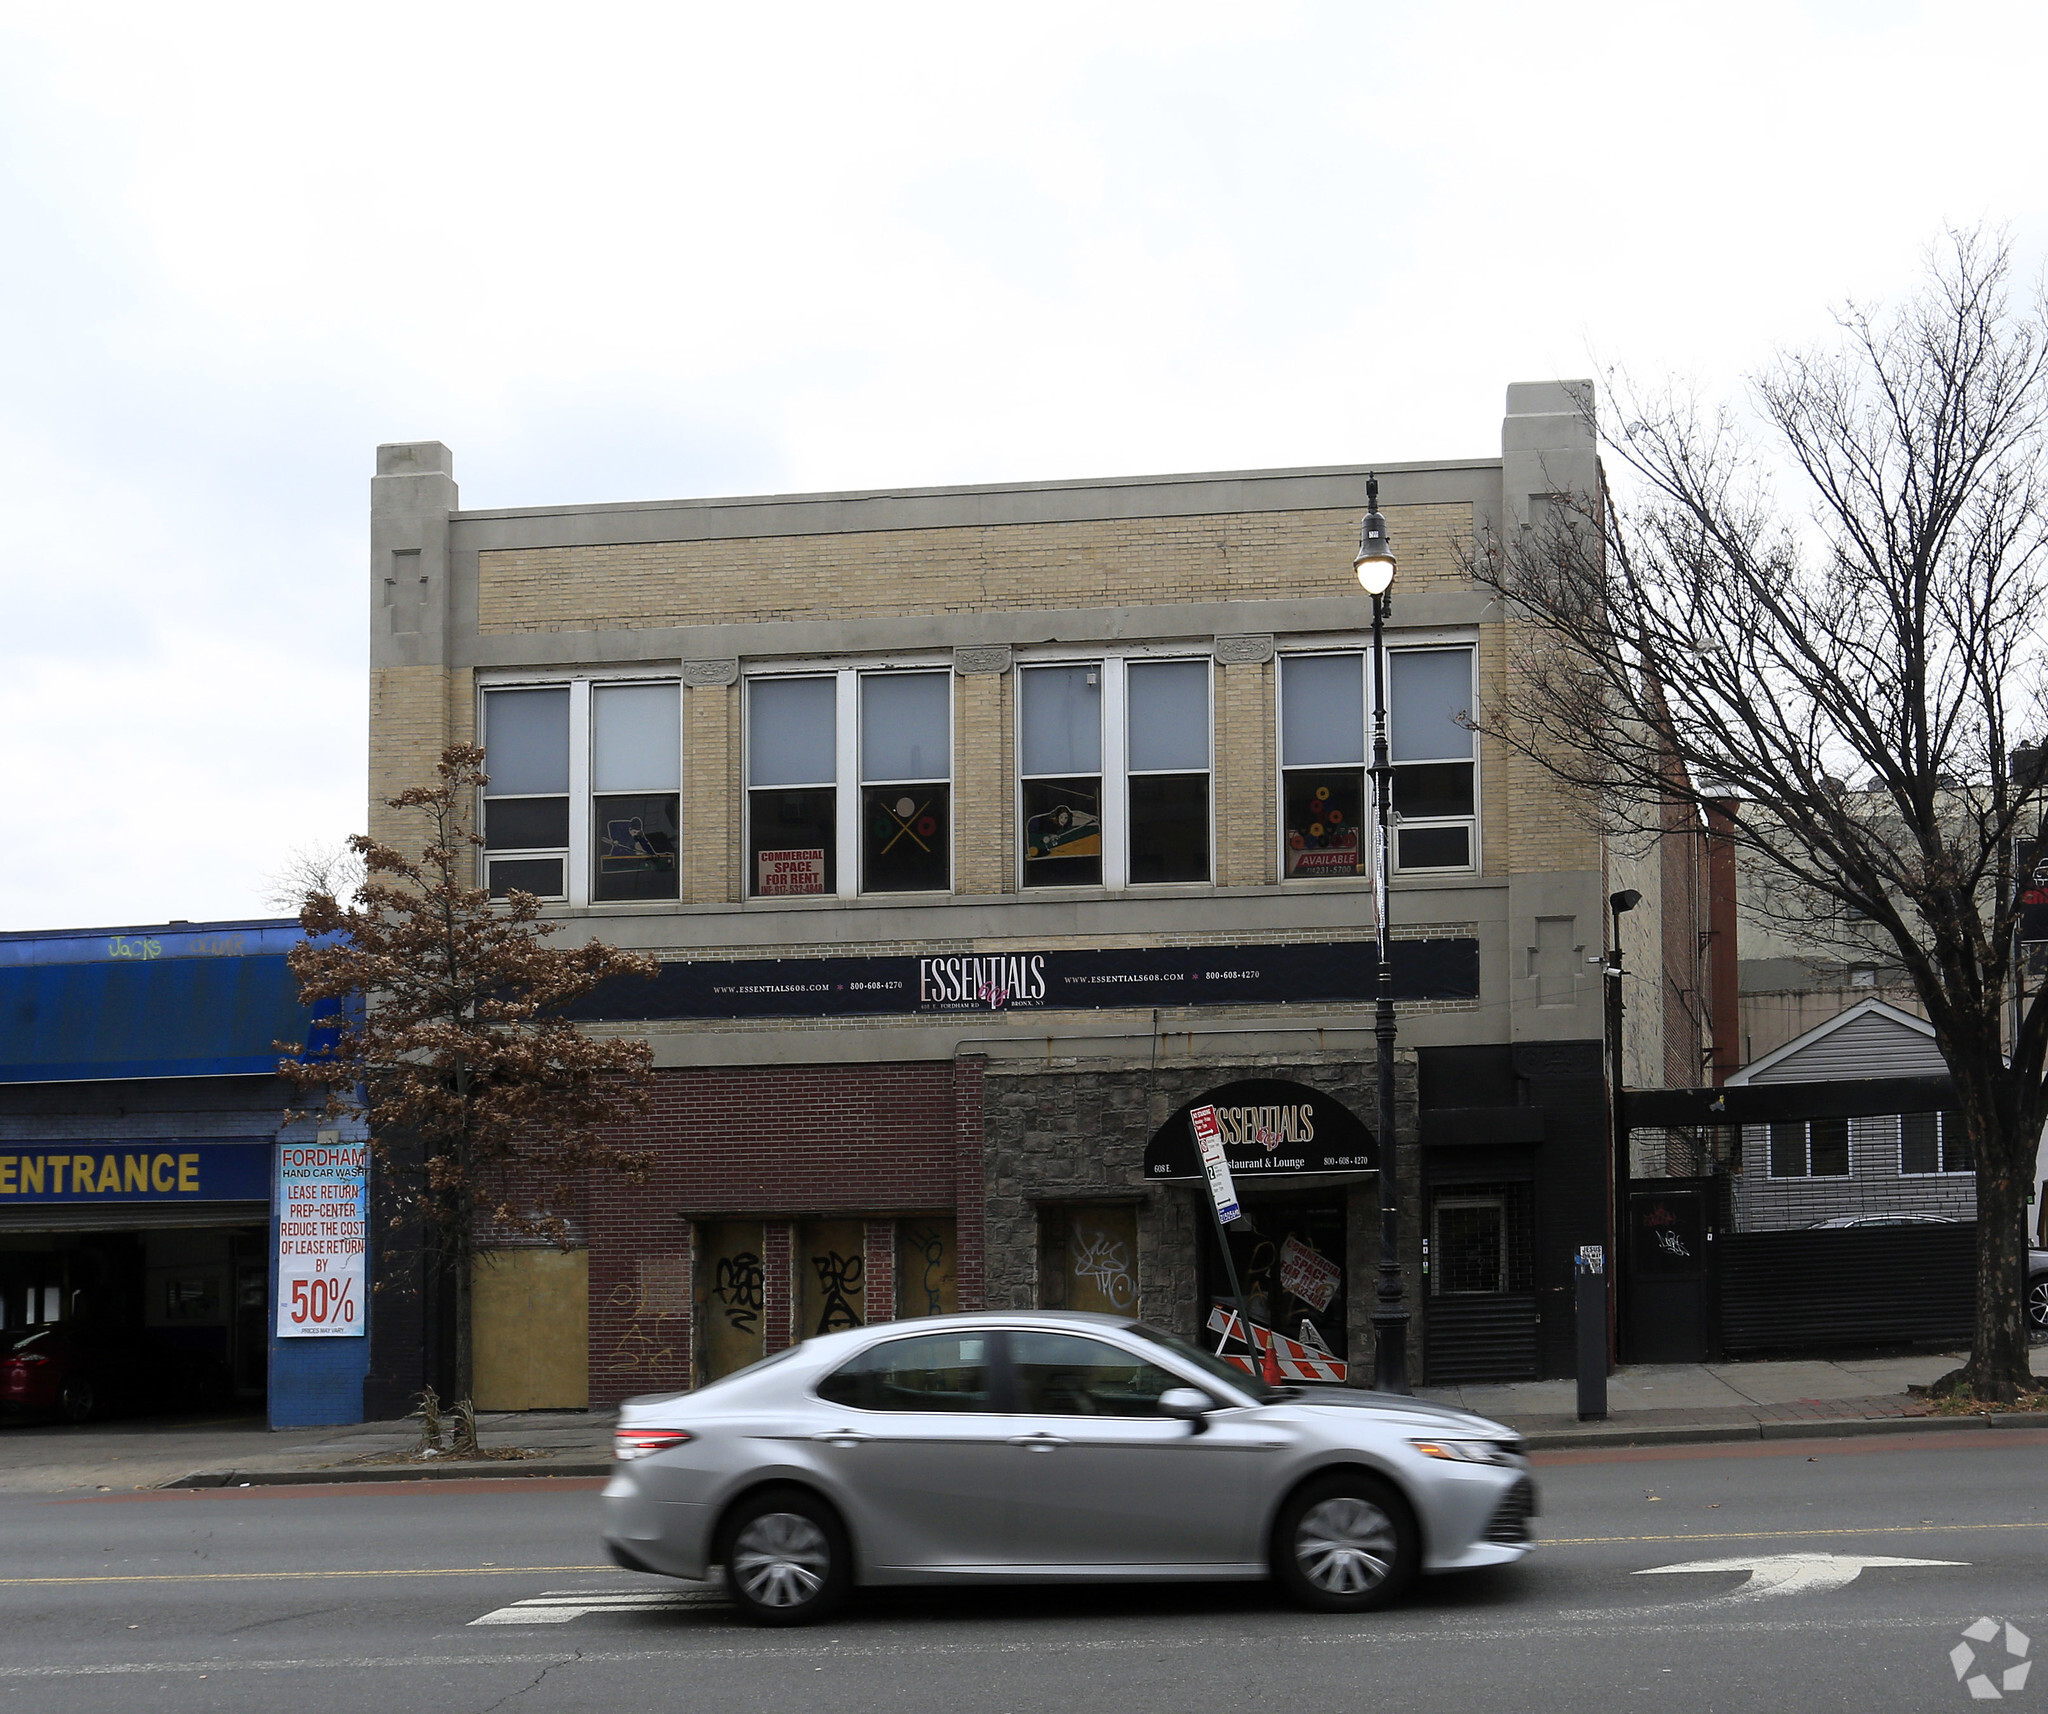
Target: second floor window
{"x":792,"y":786}
{"x":526,"y":803}
{"x":635,"y":782}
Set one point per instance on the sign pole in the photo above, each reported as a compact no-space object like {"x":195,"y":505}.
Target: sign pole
{"x":1223,"y":1206}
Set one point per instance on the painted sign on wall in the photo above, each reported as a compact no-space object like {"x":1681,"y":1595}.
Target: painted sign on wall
{"x":322,"y":1238}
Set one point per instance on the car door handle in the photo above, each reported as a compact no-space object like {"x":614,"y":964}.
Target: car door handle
{"x":844,"y":1437}
{"x":1039,"y":1442}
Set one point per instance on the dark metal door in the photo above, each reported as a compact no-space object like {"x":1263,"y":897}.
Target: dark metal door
{"x":1667,"y":1277}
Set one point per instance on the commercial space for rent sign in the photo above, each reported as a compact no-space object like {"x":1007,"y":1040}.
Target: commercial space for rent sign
{"x":322,"y":1238}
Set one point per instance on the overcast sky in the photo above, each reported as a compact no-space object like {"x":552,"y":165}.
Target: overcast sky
{"x":618,"y":253}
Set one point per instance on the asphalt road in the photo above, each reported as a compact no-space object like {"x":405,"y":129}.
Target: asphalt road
{"x":345,"y":1598}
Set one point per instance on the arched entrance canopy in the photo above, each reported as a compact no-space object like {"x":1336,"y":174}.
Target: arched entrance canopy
{"x":1271,"y":1130}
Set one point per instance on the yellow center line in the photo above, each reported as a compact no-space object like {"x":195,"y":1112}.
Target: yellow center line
{"x":1779,"y":1535}
{"x":289,"y":1576}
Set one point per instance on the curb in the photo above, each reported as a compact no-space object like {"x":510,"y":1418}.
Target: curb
{"x":1558,"y":1440}
{"x":487,"y":1469}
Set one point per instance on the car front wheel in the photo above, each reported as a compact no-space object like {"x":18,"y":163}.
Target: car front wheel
{"x":1345,"y":1544}
{"x":786,"y":1558}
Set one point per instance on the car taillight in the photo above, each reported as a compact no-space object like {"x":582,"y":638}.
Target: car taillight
{"x":644,"y":1442}
{"x":25,"y":1362}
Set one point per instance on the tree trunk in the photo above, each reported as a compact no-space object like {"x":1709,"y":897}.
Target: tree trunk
{"x":465,"y":1365}
{"x":1999,"y":1369}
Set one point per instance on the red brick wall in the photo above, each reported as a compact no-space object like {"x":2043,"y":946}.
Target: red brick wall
{"x":771,"y":1141}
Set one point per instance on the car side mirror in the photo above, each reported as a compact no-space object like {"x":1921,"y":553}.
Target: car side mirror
{"x":1188,"y":1404}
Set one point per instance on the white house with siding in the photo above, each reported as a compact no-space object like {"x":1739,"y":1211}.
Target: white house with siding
{"x":1901,"y":1166}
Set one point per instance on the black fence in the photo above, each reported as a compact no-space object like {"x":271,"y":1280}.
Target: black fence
{"x":1860,"y":1287}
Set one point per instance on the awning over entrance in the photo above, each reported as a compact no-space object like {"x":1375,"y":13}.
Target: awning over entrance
{"x":1271,"y":1130}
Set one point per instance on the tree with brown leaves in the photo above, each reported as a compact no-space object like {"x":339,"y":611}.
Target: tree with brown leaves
{"x":485,"y":1106}
{"x":1858,"y":668}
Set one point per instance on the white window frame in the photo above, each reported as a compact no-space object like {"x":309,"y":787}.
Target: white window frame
{"x":1116,"y":773}
{"x":847,"y":783}
{"x":582,"y":823}
{"x":1944,"y":1170}
{"x":1361,"y":644}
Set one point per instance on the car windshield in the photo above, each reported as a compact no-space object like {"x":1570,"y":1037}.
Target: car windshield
{"x":753,"y":1368}
{"x":24,"y":1341}
{"x":1210,"y":1364}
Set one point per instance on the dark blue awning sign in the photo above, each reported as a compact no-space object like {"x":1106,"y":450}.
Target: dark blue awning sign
{"x":177,"y":1170}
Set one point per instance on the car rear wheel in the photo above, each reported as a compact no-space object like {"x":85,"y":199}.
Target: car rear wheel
{"x":1345,"y":1544}
{"x":786,"y":1558}
{"x":75,"y":1402}
{"x":2037,"y":1304}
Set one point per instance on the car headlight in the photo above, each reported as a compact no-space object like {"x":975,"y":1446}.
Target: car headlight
{"x":1468,"y":1451}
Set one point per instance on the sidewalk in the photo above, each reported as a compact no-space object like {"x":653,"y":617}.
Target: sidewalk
{"x":1646,"y":1405}
{"x":1728,"y":1401}
{"x":47,"y":1458}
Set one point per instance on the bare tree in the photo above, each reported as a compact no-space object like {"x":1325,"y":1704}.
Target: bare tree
{"x":1860,"y":672}
{"x":485,"y":1106}
{"x":333,"y":868}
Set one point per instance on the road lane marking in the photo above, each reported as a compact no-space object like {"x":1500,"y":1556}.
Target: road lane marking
{"x":295,"y":1576}
{"x":1655,"y":1621}
{"x":1789,"y":1573}
{"x":1781,"y":1535}
{"x":559,"y":1606}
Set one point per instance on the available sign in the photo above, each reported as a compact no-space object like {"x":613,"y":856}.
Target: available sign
{"x":1308,"y":1274}
{"x":785,"y":872}
{"x":1209,"y":1140}
{"x":322,"y":1236}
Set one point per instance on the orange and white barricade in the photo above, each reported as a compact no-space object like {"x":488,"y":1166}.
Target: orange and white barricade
{"x":1298,"y":1362}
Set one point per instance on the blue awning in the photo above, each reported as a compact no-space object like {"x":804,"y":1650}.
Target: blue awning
{"x":147,"y":1017}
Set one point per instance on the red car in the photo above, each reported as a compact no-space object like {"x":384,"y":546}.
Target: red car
{"x":72,"y":1371}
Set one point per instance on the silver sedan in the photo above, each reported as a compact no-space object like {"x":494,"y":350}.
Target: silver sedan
{"x":1050,"y":1447}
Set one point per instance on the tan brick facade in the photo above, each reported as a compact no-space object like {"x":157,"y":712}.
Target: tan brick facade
{"x":984,"y":800}
{"x":988,"y":568}
{"x":415,"y":713}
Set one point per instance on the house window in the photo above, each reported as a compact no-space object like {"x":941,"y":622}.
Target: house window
{"x":1934,"y":1143}
{"x":635,"y":781}
{"x":792,"y":786}
{"x":1813,"y":1148}
{"x":1322,"y":759}
{"x":1429,"y":702}
{"x":526,"y":802}
{"x":1167,"y":768}
{"x":906,"y":772}
{"x":1060,"y":762}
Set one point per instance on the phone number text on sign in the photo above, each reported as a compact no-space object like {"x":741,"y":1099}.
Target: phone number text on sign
{"x":322,"y":1235}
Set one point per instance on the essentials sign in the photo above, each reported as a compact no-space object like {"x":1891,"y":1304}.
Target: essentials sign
{"x":322,"y":1235}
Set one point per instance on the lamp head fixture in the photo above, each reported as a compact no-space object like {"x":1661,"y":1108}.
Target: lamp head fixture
{"x":1625,"y":900}
{"x":1375,"y":561}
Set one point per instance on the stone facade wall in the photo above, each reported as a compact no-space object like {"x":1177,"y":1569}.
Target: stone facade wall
{"x":1074,"y":1133}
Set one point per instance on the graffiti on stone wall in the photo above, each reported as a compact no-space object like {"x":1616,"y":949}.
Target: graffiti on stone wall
{"x":1102,"y":1261}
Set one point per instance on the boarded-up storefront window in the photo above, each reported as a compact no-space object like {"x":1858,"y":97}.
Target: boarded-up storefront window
{"x":925,"y":1260}
{"x":1088,"y":1257}
{"x":831,"y":1277}
{"x":730,"y":1314}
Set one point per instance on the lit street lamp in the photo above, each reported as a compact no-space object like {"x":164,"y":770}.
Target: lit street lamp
{"x":1375,"y":568}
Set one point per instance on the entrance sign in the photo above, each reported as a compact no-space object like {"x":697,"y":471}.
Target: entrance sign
{"x":322,"y":1234}
{"x":1209,"y":1140}
{"x":1267,"y":1129}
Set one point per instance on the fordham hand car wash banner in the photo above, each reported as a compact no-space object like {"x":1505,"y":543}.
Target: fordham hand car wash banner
{"x":322,"y":1236}
{"x":1446,"y":968}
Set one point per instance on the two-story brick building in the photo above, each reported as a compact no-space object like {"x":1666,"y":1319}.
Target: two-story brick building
{"x":982,"y":830}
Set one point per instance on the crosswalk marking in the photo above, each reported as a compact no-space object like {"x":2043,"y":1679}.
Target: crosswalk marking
{"x":559,"y":1606}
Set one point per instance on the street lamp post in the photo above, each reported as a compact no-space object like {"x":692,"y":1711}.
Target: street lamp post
{"x":1375,"y":568}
